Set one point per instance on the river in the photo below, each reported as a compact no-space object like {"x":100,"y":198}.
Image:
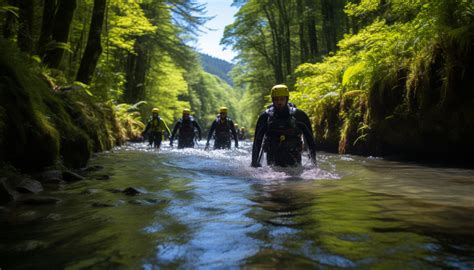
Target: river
{"x":208,"y":209}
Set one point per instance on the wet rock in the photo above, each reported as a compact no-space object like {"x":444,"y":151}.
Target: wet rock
{"x":7,"y":191}
{"x":39,"y":200}
{"x":102,"y":177}
{"x":50,"y":175}
{"x":30,"y":245}
{"x":53,"y":181}
{"x":132,"y":191}
{"x":114,"y":190}
{"x":102,"y":204}
{"x":29,"y":186}
{"x":69,"y":176}
{"x":93,"y":168}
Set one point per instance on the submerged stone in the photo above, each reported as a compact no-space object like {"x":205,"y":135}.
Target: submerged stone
{"x":131,"y":191}
{"x":29,"y":186}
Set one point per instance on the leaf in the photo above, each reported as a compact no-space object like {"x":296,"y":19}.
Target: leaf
{"x":36,"y":58}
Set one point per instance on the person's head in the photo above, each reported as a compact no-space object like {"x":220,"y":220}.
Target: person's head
{"x":242,"y":129}
{"x":280,"y":96}
{"x":236,"y":126}
{"x":155,"y":112}
{"x":223,"y":112}
{"x":186,"y":113}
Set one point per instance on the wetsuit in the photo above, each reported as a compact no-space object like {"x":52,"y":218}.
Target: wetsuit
{"x":186,"y":133}
{"x":223,"y":129}
{"x":154,"y":130}
{"x":280,"y":133}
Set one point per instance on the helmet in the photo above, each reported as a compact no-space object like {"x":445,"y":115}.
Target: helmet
{"x":155,"y":110}
{"x":280,"y":90}
{"x":186,"y":111}
{"x":223,"y":110}
{"x":236,"y":125}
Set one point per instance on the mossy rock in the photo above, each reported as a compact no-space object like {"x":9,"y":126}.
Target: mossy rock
{"x":38,"y":126}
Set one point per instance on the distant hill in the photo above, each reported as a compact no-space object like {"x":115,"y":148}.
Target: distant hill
{"x":216,"y":66}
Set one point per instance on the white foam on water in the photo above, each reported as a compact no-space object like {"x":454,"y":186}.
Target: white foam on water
{"x":236,"y":162}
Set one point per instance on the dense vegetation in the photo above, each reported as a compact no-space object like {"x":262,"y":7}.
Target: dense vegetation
{"x":376,"y":76}
{"x":216,"y":66}
{"x":74,"y":68}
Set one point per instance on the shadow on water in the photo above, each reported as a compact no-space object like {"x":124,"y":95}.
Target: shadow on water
{"x":209,"y":209}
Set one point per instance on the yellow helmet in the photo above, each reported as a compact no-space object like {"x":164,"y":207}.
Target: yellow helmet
{"x":186,"y":111}
{"x":236,"y":125}
{"x":223,"y":110}
{"x":280,"y":90}
{"x":155,"y":110}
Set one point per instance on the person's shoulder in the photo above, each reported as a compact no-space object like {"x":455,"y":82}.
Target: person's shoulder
{"x":300,"y":114}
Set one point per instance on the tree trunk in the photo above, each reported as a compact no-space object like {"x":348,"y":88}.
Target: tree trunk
{"x":329,"y":25}
{"x":93,"y":47}
{"x":25,"y":29}
{"x":276,"y":44}
{"x":137,"y":68}
{"x":46,"y":26}
{"x":312,"y":34}
{"x":304,"y":52}
{"x":10,"y":21}
{"x":60,"y":31}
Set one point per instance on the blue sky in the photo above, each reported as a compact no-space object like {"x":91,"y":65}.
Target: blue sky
{"x":209,"y":42}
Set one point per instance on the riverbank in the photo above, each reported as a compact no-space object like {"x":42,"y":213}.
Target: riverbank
{"x":45,"y":126}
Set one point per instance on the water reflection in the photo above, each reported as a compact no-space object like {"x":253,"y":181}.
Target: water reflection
{"x":209,"y":209}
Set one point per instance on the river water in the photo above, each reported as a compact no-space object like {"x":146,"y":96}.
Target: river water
{"x":208,"y":209}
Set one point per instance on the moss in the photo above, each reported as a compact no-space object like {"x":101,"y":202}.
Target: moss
{"x":40,"y":127}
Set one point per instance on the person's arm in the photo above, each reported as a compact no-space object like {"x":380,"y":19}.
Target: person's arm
{"x":260,"y":131}
{"x":196,"y":125}
{"x":175,"y":129}
{"x":305,"y":125}
{"x":234,"y":133}
{"x":211,"y":130}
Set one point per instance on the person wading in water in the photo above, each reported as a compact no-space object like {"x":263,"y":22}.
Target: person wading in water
{"x":223,"y":127}
{"x":280,"y":128}
{"x":185,"y":127}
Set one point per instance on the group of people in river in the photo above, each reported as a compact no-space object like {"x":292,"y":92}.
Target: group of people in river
{"x":280,"y":132}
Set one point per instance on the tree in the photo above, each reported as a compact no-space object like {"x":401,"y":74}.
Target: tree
{"x":94,"y":47}
{"x":60,"y":32}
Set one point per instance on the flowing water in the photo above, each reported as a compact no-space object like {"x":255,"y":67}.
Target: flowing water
{"x":209,"y":209}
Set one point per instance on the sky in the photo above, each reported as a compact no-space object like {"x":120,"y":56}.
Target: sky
{"x":208,"y":42}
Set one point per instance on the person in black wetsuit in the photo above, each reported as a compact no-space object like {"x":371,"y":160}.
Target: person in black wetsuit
{"x":223,"y":126}
{"x":280,"y":129}
{"x":186,"y":127}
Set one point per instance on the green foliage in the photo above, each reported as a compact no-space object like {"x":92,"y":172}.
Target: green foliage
{"x":216,"y":66}
{"x":127,"y":22}
{"x":129,"y":118}
{"x":399,"y":69}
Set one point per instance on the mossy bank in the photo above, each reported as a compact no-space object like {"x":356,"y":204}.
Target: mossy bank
{"x":41,"y":127}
